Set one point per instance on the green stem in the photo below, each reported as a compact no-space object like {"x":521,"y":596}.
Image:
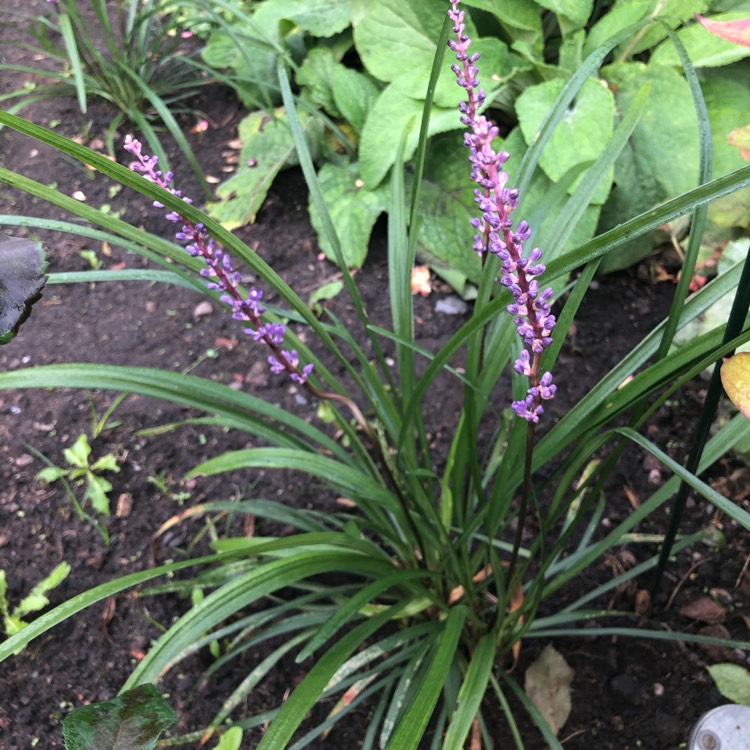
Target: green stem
{"x":523,"y":505}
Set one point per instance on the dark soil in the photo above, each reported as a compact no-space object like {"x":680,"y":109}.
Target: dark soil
{"x":639,"y":693}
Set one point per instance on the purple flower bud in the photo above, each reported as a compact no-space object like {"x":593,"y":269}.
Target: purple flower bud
{"x":496,"y":202}
{"x":276,"y":367}
{"x":219,"y":268}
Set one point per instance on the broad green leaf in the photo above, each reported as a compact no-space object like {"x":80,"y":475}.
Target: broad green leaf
{"x":663,"y":159}
{"x":250,"y":47}
{"x":626,"y":12}
{"x":37,"y":597}
{"x":249,"y":51}
{"x":727,"y":94}
{"x":78,"y":454}
{"x":582,"y":134}
{"x":12,"y":625}
{"x":704,"y":48}
{"x":619,"y":16}
{"x":230,"y":740}
{"x":96,"y":493}
{"x":535,"y":203}
{"x":326,"y":291}
{"x":316,"y":75}
{"x":133,"y":720}
{"x":732,"y":681}
{"x":392,"y":114}
{"x":671,"y":12}
{"x":445,"y":232}
{"x":353,"y":210}
{"x":446,"y":235}
{"x":22,"y":277}
{"x":547,"y":683}
{"x":51,"y":474}
{"x":354,"y":93}
{"x":107,"y":462}
{"x":735,"y":377}
{"x":576,"y":11}
{"x":497,"y":66}
{"x":267,"y":148}
{"x":392,"y":36}
{"x":520,"y":14}
{"x":321,"y":18}
{"x":718,"y":313}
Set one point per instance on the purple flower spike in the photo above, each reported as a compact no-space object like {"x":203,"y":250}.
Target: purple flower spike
{"x":530,"y":308}
{"x":221,"y":272}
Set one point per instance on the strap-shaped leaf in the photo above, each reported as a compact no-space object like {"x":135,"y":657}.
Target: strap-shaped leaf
{"x":239,"y":410}
{"x":233,"y":596}
{"x":473,"y":690}
{"x":310,"y":689}
{"x":414,"y":720}
{"x":67,"y":609}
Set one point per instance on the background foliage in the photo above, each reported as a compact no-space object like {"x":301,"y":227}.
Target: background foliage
{"x":361,"y":68}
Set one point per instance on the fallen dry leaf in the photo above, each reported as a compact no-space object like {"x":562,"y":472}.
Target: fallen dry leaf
{"x":202,"y":309}
{"x":704,"y":609}
{"x":420,"y":281}
{"x":547,"y":684}
{"x":124,"y":505}
{"x":716,"y":653}
{"x":642,"y":602}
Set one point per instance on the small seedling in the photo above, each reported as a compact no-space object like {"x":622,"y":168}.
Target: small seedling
{"x":35,"y":601}
{"x":90,"y":256}
{"x":164,"y":485}
{"x":82,"y":473}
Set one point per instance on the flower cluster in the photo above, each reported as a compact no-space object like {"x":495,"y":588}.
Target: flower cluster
{"x":222,"y":275}
{"x":495,"y":234}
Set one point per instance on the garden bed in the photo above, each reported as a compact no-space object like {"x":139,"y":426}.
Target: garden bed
{"x":639,"y":693}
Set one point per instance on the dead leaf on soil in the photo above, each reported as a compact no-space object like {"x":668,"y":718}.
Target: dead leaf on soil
{"x":716,"y":653}
{"x":705,"y":609}
{"x":420,"y":281}
{"x":547,"y":684}
{"x":743,"y":583}
{"x":642,"y":602}
{"x":202,"y":309}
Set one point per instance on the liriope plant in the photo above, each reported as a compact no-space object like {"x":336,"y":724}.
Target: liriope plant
{"x":442,"y":585}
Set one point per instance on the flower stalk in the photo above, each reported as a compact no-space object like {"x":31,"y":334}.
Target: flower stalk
{"x":495,"y":235}
{"x":248,"y":308}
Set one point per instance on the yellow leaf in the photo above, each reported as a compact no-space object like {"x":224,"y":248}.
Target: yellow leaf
{"x":735,"y":377}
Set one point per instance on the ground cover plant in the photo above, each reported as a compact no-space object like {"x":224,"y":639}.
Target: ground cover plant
{"x":359,"y":69}
{"x":464,"y":551}
{"x":129,"y":53}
